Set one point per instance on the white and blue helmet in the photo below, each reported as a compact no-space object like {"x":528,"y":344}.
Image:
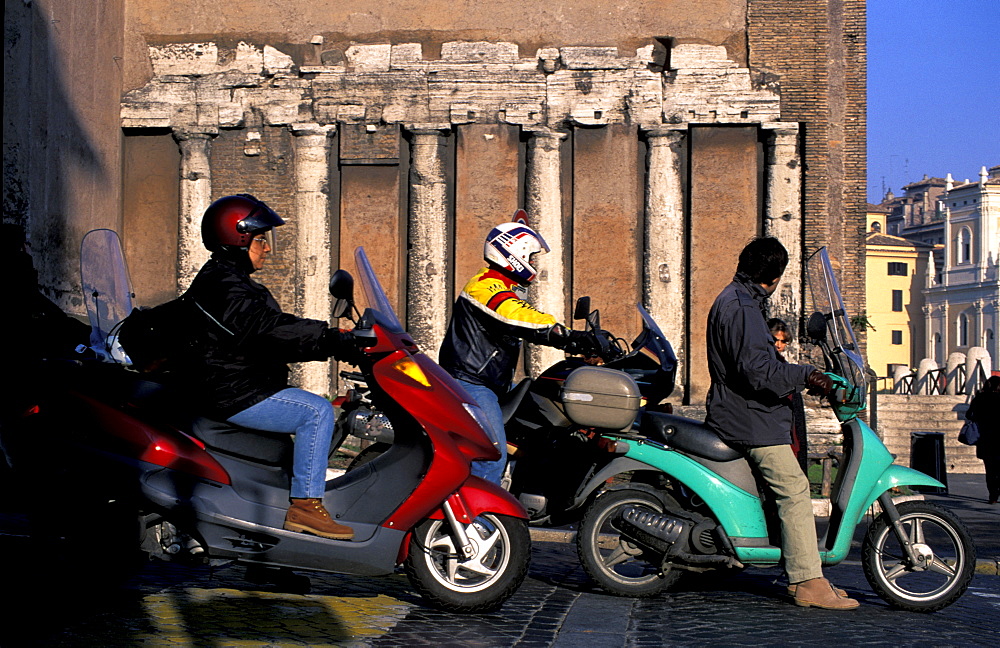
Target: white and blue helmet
{"x":509,"y":246}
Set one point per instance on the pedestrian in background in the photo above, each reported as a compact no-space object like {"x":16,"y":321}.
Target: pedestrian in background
{"x":800,"y":445}
{"x":985,"y":412}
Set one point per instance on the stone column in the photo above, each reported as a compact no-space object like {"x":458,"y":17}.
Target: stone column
{"x":993,"y":346}
{"x":783,"y":219}
{"x":977,"y":356}
{"x":664,"y":275}
{"x":956,"y":359}
{"x":922,"y":384}
{"x":195,"y":197}
{"x":899,"y":376}
{"x":312,"y":246}
{"x":945,"y":330}
{"x":543,"y":202}
{"x":928,"y":351}
{"x":976,"y":334}
{"x":428,"y":291}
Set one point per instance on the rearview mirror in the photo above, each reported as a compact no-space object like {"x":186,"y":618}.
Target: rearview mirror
{"x":582,"y":308}
{"x":816,"y":327}
{"x":342,"y":290}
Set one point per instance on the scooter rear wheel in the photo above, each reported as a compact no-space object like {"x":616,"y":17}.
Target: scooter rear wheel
{"x":616,"y":564}
{"x":480,"y":583}
{"x":939,"y":537}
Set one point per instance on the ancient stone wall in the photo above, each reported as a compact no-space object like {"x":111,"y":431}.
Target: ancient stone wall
{"x":584,"y":137}
{"x":416,"y":126}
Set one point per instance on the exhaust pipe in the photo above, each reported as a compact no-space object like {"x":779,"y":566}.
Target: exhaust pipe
{"x":666,"y":534}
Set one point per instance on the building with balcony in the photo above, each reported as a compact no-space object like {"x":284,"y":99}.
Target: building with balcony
{"x":963,"y":292}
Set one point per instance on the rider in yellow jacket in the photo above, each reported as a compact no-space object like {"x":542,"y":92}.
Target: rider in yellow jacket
{"x":489,"y":321}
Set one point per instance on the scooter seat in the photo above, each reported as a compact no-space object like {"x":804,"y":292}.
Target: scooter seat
{"x":270,"y":448}
{"x":686,"y":435}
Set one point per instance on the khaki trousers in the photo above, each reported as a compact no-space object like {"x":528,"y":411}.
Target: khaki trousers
{"x":782,"y":472}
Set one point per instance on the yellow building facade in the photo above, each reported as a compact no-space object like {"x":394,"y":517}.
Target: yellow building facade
{"x":896,"y":273}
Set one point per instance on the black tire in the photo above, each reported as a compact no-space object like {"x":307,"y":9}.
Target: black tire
{"x":479,"y":584}
{"x":941,"y":536}
{"x":367,"y":455}
{"x":618,"y":566}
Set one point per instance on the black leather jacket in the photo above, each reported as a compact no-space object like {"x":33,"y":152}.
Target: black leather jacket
{"x":248,"y":340}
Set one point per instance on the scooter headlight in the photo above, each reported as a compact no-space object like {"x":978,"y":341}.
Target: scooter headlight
{"x":480,"y":417}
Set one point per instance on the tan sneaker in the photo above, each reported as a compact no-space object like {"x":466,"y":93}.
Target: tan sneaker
{"x":818,"y":592}
{"x":841,"y":593}
{"x":309,"y":516}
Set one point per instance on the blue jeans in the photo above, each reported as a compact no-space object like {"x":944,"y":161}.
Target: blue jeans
{"x":487,"y":400}
{"x":310,"y":418}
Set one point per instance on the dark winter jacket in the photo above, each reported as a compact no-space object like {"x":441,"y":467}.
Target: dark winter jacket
{"x":985,"y":411}
{"x":747,"y":402}
{"x":248,"y":341}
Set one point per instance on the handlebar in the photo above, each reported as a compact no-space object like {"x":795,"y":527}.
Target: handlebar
{"x":610,"y":346}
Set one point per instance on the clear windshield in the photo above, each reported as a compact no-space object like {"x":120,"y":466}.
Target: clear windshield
{"x":828,"y":301}
{"x":377,"y":299}
{"x":663,"y":349}
{"x":107,"y":289}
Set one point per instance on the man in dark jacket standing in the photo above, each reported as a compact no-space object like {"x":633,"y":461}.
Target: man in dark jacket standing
{"x":242,"y":375}
{"x":748,"y":407}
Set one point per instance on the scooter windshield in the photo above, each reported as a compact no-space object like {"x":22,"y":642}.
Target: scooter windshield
{"x":844,"y":349}
{"x":107,"y":289}
{"x":378,"y":301}
{"x":658,"y":342}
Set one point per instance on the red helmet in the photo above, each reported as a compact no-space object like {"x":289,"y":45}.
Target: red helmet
{"x":234,"y":220}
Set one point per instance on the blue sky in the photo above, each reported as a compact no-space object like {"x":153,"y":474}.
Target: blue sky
{"x":933,"y":90}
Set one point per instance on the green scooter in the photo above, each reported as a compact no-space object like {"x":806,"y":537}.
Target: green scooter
{"x":683,"y":501}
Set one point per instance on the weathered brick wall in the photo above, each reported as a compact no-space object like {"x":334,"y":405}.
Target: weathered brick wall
{"x":817,"y":49}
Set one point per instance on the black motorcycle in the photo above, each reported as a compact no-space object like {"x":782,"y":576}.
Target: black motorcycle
{"x":556,"y":424}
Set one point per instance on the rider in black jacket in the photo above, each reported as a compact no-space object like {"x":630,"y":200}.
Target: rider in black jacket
{"x":242,"y":374}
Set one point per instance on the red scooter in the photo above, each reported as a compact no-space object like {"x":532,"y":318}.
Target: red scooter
{"x":190,"y":488}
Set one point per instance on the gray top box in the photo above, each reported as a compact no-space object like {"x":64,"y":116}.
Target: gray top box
{"x":601,"y":398}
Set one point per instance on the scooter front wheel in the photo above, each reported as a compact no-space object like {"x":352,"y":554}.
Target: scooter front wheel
{"x":946,"y":558}
{"x":481,"y":582}
{"x":618,"y":565}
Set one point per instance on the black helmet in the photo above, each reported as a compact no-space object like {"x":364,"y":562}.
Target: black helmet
{"x":232,"y":222}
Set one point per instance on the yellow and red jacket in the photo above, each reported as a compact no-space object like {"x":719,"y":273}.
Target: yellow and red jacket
{"x":487,"y":325}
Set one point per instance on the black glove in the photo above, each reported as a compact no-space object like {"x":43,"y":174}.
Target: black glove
{"x":343,"y":346}
{"x":580,"y":343}
{"x":612,"y":350}
{"x":819,"y":384}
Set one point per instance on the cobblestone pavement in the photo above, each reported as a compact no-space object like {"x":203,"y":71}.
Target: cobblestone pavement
{"x":171,"y":605}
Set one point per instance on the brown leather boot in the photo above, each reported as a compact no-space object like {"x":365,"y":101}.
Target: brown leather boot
{"x":841,"y":593}
{"x":818,"y":592}
{"x":309,"y":516}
